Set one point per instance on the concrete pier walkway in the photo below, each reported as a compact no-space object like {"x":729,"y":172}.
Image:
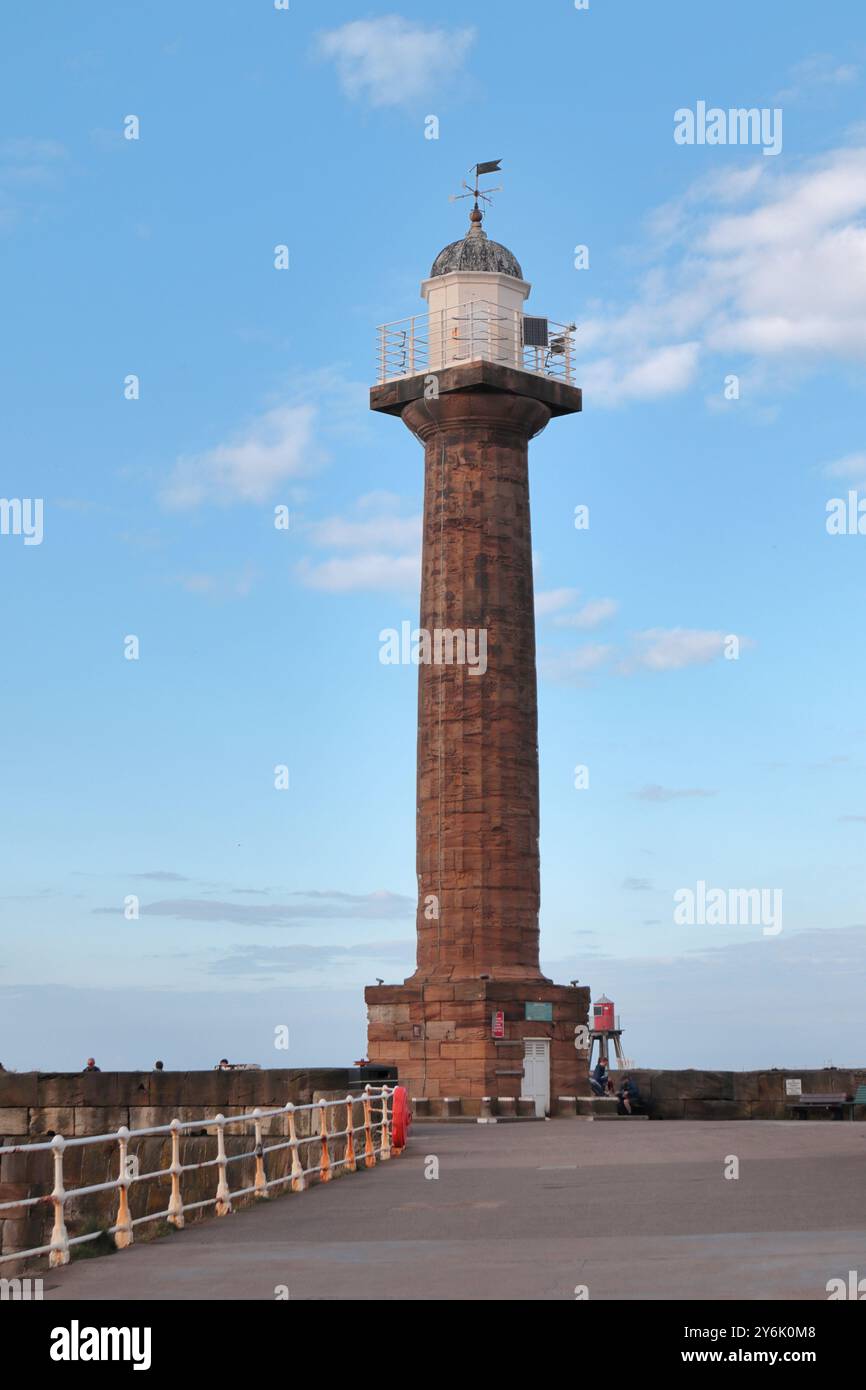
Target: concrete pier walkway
{"x":632,"y":1211}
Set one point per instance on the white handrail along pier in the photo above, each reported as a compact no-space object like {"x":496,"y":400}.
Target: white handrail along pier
{"x":373,"y":1144}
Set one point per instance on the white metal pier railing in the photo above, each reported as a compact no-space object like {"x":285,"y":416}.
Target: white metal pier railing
{"x":479,"y":330}
{"x":377,"y":1109}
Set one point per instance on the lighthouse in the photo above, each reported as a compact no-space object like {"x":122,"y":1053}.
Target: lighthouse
{"x":474,"y":377}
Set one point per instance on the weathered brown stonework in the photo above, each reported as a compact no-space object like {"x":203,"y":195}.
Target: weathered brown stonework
{"x":455,"y":1053}
{"x":477,"y":781}
{"x":477,"y":846}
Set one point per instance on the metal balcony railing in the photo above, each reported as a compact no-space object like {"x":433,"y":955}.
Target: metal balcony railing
{"x":478,"y":331}
{"x":376,"y":1106}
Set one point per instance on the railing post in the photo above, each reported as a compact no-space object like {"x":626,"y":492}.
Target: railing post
{"x":325,"y":1161}
{"x":351,"y":1163}
{"x":260,"y":1185}
{"x":299,"y":1181}
{"x":123,"y":1236}
{"x":59,"y":1238}
{"x":369,"y":1151}
{"x":223,"y":1196}
{"x":385,"y":1139}
{"x":175,"y":1201}
{"x":412,"y":346}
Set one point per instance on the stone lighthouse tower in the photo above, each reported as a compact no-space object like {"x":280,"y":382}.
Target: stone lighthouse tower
{"x":475,"y":379}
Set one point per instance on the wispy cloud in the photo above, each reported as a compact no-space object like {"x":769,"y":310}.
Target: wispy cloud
{"x":574,"y":667}
{"x":162,"y":876}
{"x":820,"y":71}
{"x":777,"y":981}
{"x":272,"y":961}
{"x":552,"y":600}
{"x":591,"y":614}
{"x":673,"y":649}
{"x":378,"y":549}
{"x":283,"y":443}
{"x":662,"y":371}
{"x":852,"y":468}
{"x":380,"y":906}
{"x":274,"y":447}
{"x":762,"y":267}
{"x":653,"y":792}
{"x":28,"y":167}
{"x":655,"y":649}
{"x":218,"y":586}
{"x":392,"y":61}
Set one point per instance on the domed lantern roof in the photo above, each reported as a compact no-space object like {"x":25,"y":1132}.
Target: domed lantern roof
{"x":476,"y":252}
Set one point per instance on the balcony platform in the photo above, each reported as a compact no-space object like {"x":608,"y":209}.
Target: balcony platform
{"x":391,"y":397}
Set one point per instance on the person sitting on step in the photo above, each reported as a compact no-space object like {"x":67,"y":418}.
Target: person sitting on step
{"x":628,"y":1096}
{"x":599,"y":1080}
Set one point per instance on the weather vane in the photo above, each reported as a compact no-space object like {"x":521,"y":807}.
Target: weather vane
{"x":492,"y":166}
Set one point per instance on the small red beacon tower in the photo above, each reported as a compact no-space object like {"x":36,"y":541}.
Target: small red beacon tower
{"x":603,"y":1018}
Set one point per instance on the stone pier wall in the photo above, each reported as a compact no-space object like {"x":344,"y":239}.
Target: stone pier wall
{"x":36,"y":1105}
{"x":735,"y":1095}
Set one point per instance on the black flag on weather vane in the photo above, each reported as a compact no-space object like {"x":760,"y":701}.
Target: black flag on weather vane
{"x":491,"y":167}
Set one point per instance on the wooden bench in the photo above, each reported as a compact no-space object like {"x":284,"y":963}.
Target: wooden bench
{"x":836,"y":1102}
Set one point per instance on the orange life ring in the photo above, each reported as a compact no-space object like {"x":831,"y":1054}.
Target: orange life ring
{"x":401,"y":1117}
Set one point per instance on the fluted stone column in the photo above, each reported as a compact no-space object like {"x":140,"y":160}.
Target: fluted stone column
{"x":477,"y":807}
{"x":477,"y":785}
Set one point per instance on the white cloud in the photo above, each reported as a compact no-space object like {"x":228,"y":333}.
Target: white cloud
{"x":661,"y":371}
{"x":384,"y":549}
{"x":551,"y":600}
{"x":368,"y":533}
{"x":672,"y":649}
{"x":656,"y":649}
{"x":276,"y":446}
{"x":818,"y":71}
{"x":343,"y":575}
{"x":573,"y":668}
{"x":392,"y":61}
{"x":594,"y":612}
{"x":281,"y":444}
{"x":852,"y":467}
{"x":766,"y":266}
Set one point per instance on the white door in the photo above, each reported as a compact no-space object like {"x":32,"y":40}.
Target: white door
{"x":536,"y":1073}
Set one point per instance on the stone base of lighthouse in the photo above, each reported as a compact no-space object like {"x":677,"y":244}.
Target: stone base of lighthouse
{"x":440,"y":1035}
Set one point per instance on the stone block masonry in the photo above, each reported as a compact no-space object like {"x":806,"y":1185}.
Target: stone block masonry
{"x":443,"y":1042}
{"x":36,"y":1105}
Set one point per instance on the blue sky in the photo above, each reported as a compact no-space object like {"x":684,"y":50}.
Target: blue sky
{"x":259,"y":647}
